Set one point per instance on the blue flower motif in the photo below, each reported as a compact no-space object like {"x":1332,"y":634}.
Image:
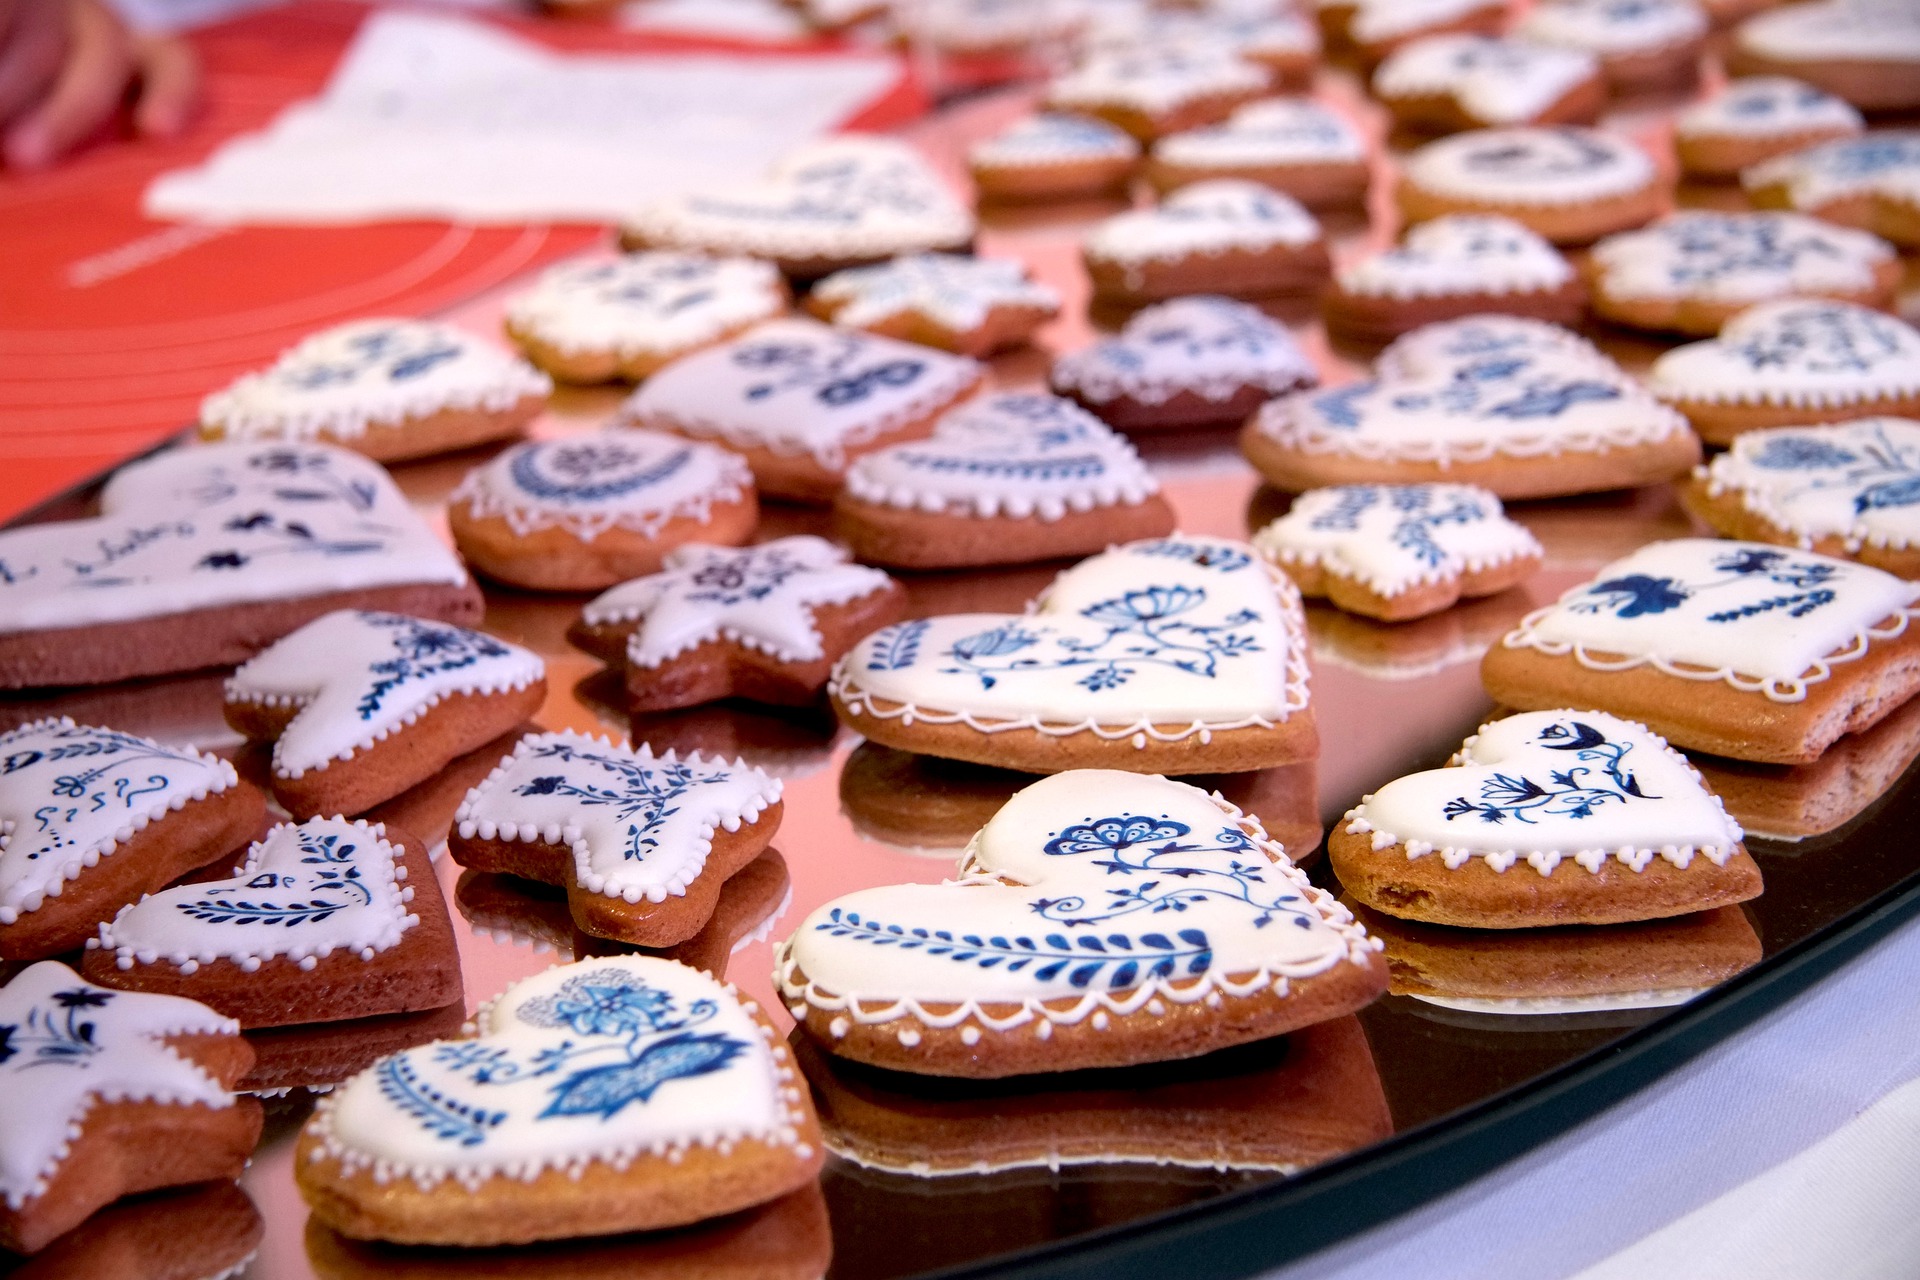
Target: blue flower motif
{"x":1798,"y":453}
{"x":603,"y":1002}
{"x":1635,"y":595}
{"x":1148,"y":604}
{"x":993,"y":643}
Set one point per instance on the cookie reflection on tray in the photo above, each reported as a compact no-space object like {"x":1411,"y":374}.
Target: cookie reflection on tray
{"x":178,"y":712}
{"x":1280,"y":1104}
{"x":932,"y":807}
{"x":787,"y":742}
{"x":1516,"y":975}
{"x":1420,"y":648}
{"x":209,"y":1230}
{"x":787,"y":1239}
{"x":514,"y":910}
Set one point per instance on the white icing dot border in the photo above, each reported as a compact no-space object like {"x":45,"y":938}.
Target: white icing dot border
{"x":1267,"y":542}
{"x":527,"y":515}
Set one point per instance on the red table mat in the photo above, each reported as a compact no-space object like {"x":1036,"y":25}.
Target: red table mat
{"x":113,"y":326}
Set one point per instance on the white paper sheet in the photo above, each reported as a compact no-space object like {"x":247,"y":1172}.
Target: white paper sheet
{"x":438,"y":116}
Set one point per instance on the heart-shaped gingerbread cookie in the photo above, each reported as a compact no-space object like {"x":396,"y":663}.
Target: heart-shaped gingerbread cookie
{"x":1867,"y":182}
{"x":1099,"y":919}
{"x":1522,"y":408}
{"x":613,"y":1095}
{"x":1546,"y":818}
{"x":1460,"y":265}
{"x":1176,"y":655}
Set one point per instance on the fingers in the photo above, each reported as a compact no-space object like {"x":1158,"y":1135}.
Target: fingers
{"x":33,"y":43}
{"x":170,"y":85}
{"x":99,"y":64}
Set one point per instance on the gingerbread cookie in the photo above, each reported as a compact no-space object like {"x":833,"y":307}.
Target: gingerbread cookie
{"x":840,"y":202}
{"x":1006,"y":480}
{"x":110,"y":1093}
{"x":1375,"y":28}
{"x":1053,"y":156}
{"x":190,"y":1233}
{"x":1286,"y":43}
{"x":202,"y":557}
{"x":1642,"y":45}
{"x":765,"y":623}
{"x":1851,"y":490}
{"x":1756,"y":119}
{"x":799,"y":399}
{"x":1396,"y":552}
{"x":641,"y":843}
{"x":1450,"y":83}
{"x":1871,"y":182}
{"x":1180,"y":655}
{"x":1736,"y":648}
{"x":1790,"y":362}
{"x":1693,"y":271}
{"x":1463,"y":264}
{"x":1151,"y":90}
{"x":1190,"y":363}
{"x":973,"y":306}
{"x":584,"y":512}
{"x":1565,"y":969}
{"x":1864,"y":52}
{"x":324,"y":920}
{"x":1546,"y":818}
{"x":316,"y":1056}
{"x":1225,"y":236}
{"x":1569,"y":183}
{"x":94,"y":818}
{"x":1280,"y":1104}
{"x":390,"y":389}
{"x":1022,"y":963}
{"x":1293,"y":145}
{"x":360,"y":706}
{"x":603,"y":319}
{"x":618,"y":1094}
{"x":1522,"y":408}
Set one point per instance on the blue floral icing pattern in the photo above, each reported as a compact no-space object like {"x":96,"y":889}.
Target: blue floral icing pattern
{"x":1413,"y":531}
{"x":835,"y":371}
{"x":422,"y":650}
{"x":1572,"y":793}
{"x":591,"y":470}
{"x":394,"y":355}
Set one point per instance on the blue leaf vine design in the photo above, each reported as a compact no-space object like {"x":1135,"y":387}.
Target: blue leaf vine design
{"x":338,"y":875}
{"x":897,"y":647}
{"x":1125,"y":961}
{"x":641,"y":795}
{"x":422,"y":649}
{"x":61,"y":1037}
{"x":1573,"y":792}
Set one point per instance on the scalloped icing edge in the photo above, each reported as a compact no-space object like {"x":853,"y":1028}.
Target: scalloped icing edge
{"x":249,"y":962}
{"x":519,"y":380}
{"x":1637,"y":858}
{"x":1099,"y":1007}
{"x":524,"y":516}
{"x":226,"y":777}
{"x":1753,"y":501}
{"x":328,"y":1146}
{"x":592,"y":881}
{"x":1293,"y":621}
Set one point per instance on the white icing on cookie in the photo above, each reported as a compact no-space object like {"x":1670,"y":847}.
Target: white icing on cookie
{"x":1497,"y":82}
{"x":372,"y":373}
{"x":1168,"y":639}
{"x":1834,"y":31}
{"x":1857,"y":481}
{"x":601,"y":1062}
{"x":1395,"y":537}
{"x":1767,"y":107}
{"x":1286,"y":35}
{"x":1552,"y":787}
{"x":358,"y":677}
{"x":1738,"y":258}
{"x":304,"y":892}
{"x":1819,"y":355}
{"x":72,"y":1044}
{"x":653,"y":303}
{"x":798,"y":387}
{"x":1884,"y":163}
{"x":1211,"y":347}
{"x":1277,"y":131}
{"x":1012,"y":456}
{"x":1053,"y":138}
{"x":761,"y":597}
{"x":71,"y":794}
{"x":639,"y":825}
{"x":1155,"y":79}
{"x":619,"y":478}
{"x":1473,"y":389}
{"x":1212,"y":217}
{"x":842,"y":197}
{"x":217,"y":525}
{"x":1543,"y":1006}
{"x":1056,"y":917}
{"x":1762,"y":619}
{"x":1564,"y":164}
{"x":956,"y":292}
{"x":1374,"y":21}
{"x":1614,"y":28}
{"x":986,"y":26}
{"x":1460,"y":253}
